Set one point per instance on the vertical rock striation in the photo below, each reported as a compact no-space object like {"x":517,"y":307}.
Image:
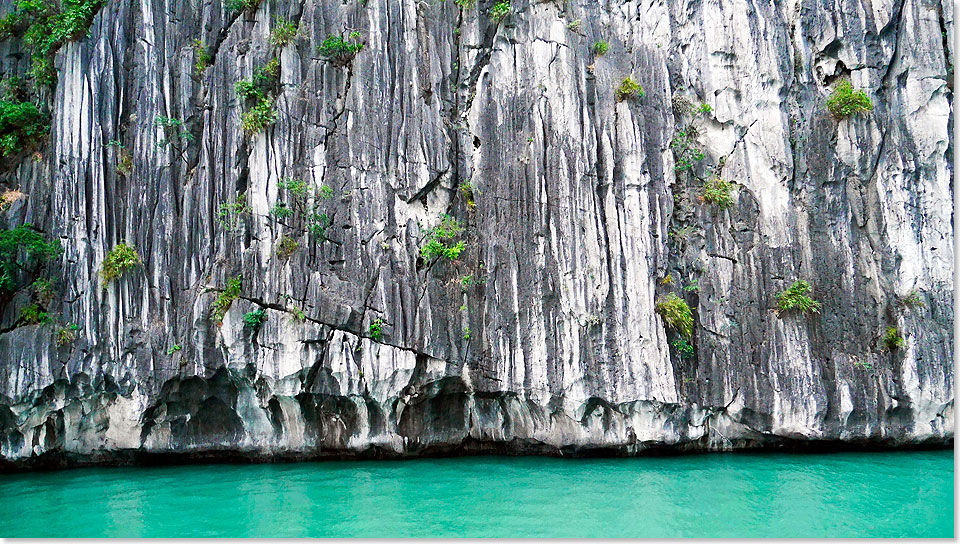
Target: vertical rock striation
{"x":578,"y":210}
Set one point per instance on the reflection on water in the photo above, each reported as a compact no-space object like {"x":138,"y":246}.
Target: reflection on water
{"x":729,"y":495}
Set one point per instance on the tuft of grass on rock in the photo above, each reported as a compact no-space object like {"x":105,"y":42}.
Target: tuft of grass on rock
{"x":120,"y":259}
{"x":892,"y":339}
{"x":846,"y":101}
{"x":797,"y":299}
{"x":628,"y":90}
{"x":676,"y":313}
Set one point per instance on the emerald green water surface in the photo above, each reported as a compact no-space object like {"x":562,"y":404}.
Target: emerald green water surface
{"x":729,"y":495}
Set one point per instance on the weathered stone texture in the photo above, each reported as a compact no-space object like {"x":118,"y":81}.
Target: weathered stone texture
{"x":556,"y":346}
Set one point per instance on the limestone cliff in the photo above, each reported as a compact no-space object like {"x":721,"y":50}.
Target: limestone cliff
{"x":434,"y":226}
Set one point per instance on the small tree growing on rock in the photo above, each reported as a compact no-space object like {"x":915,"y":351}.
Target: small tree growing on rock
{"x":340,"y":51}
{"x":120,"y":259}
{"x":797,"y":299}
{"x":629,"y":89}
{"x":892,"y":340}
{"x":676,"y":313}
{"x":846,"y":101}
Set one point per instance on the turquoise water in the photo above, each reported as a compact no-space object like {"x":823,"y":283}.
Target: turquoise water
{"x":730,"y":495}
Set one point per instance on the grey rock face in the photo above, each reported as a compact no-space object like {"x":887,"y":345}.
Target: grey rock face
{"x":542,"y":336}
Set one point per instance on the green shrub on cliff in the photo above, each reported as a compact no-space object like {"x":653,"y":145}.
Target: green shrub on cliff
{"x":254,"y":320}
{"x":23,"y":250}
{"x":283,"y":33}
{"x":318,"y":223}
{"x":243,"y":5}
{"x":892,"y":339}
{"x":32,"y":314}
{"x":201,"y":57}
{"x":43,"y":291}
{"x":45,"y":26}
{"x":629,"y":89}
{"x":120,"y":259}
{"x":435,"y":248}
{"x":684,"y":348}
{"x":846,"y":101}
{"x":67,"y":335}
{"x":247,"y":88}
{"x":676,"y":313}
{"x":913,"y":300}
{"x":229,"y":214}
{"x":686,"y":149}
{"x":259,"y":117}
{"x":14,"y":89}
{"x":11,"y":24}
{"x":280,"y":210}
{"x":796,"y":298}
{"x":72,"y":23}
{"x":225,"y":299}
{"x":21,"y":126}
{"x":287,"y":246}
{"x":260,"y":89}
{"x":469,"y":192}
{"x":376,"y":329}
{"x":174,"y":133}
{"x":340,"y":51}
{"x":499,"y":11}
{"x":298,"y":189}
{"x":269,"y":72}
{"x":438,"y":240}
{"x":125,"y":164}
{"x":717,"y":191}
